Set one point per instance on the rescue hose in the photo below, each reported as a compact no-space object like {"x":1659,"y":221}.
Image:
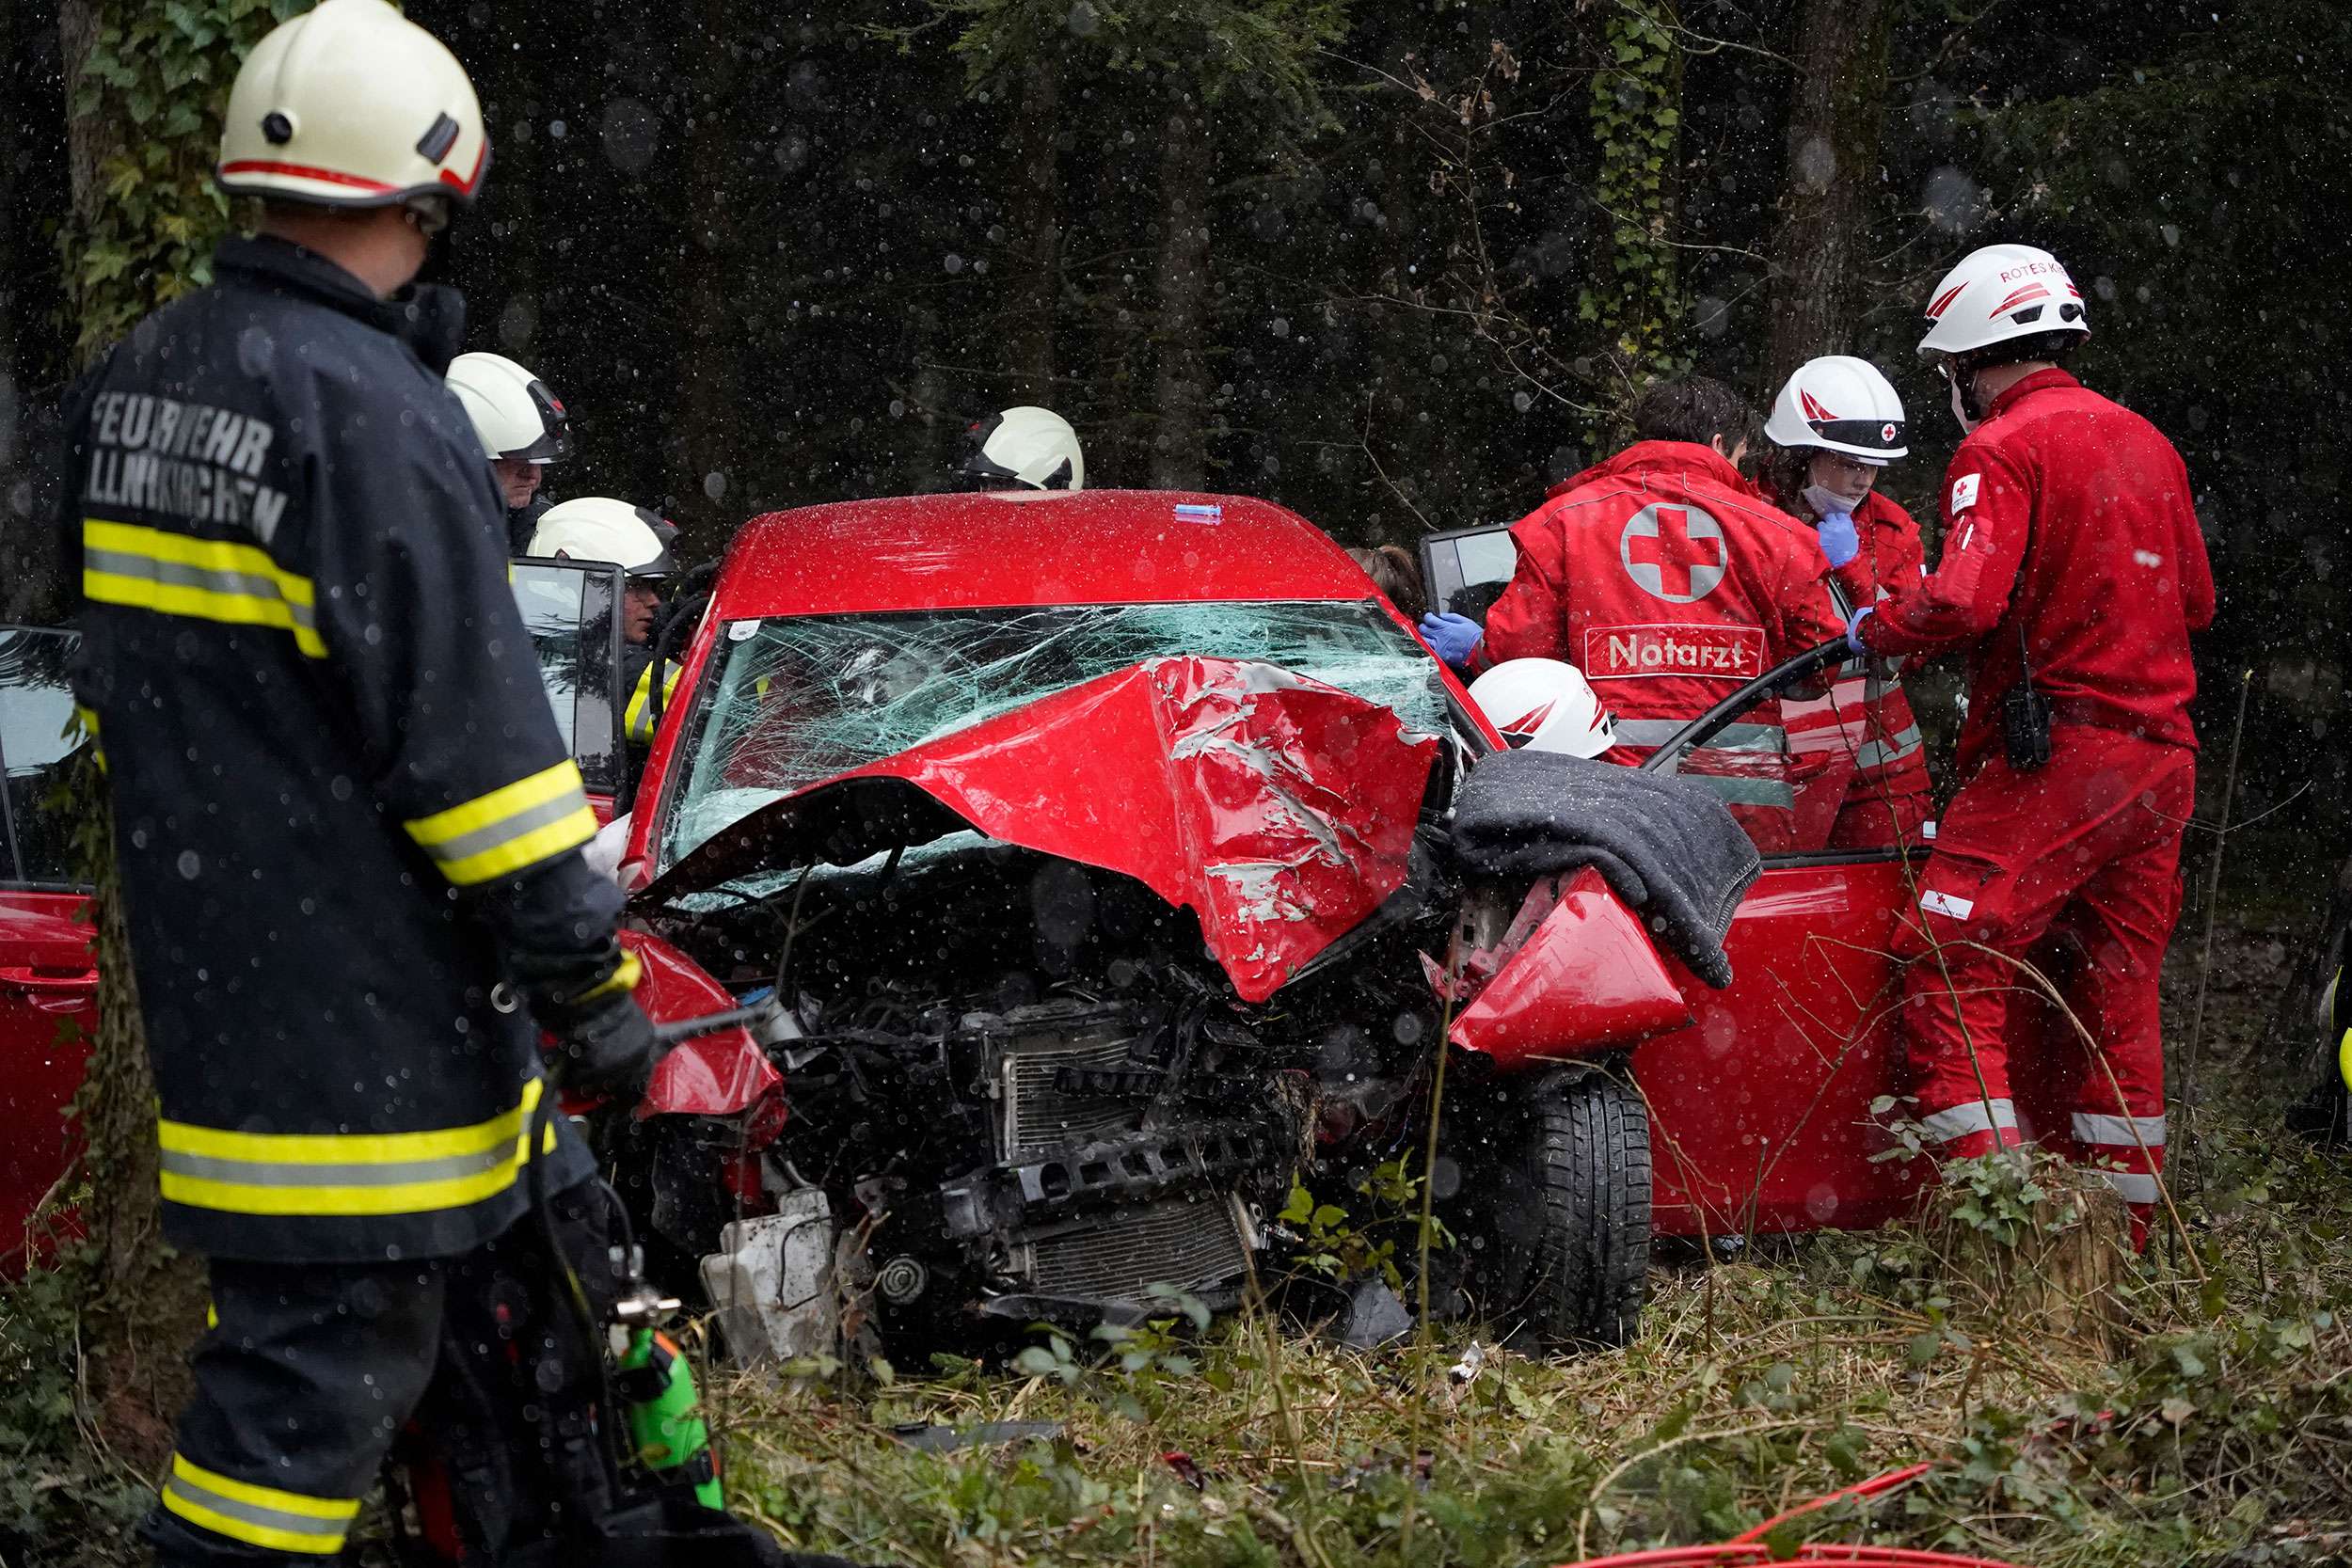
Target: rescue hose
{"x":710,"y":1023}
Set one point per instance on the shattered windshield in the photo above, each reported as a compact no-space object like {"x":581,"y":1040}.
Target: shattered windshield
{"x":794,"y":701}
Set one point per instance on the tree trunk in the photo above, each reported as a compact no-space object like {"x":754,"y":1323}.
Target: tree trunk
{"x":1833,"y":173}
{"x":703,"y":442}
{"x":1036,"y":225}
{"x":1180,"y":446}
{"x":144,"y":1304}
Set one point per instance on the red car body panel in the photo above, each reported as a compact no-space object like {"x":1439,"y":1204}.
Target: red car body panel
{"x":1759,"y":1111}
{"x":1279,"y":809}
{"x":716,"y":1074}
{"x":48,"y":1015}
{"x":1587,"y":978}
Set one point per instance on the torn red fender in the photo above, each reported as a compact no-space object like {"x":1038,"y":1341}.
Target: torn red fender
{"x":711,"y":1075}
{"x":1586,"y":979}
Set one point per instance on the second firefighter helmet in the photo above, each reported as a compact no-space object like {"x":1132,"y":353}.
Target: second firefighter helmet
{"x":1543,"y":705}
{"x":1842,"y":404}
{"x":352,"y":104}
{"x":597,"y":528}
{"x":1025,"y":446}
{"x":1998,"y":293}
{"x":515,"y":413}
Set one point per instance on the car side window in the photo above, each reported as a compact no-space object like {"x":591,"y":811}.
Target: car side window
{"x":39,"y":739}
{"x":570,"y":609}
{"x":1468,"y":569}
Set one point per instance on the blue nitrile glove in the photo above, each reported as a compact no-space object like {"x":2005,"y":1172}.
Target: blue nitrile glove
{"x":1839,"y":541}
{"x":1854,"y":628}
{"x":1451,"y":635}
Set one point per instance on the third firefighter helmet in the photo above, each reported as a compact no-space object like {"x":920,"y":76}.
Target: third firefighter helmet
{"x":1999,"y":293}
{"x":1542,"y":704}
{"x":1839,"y":403}
{"x":514,"y":412}
{"x":352,"y":104}
{"x":1029,"y":446}
{"x":597,"y":528}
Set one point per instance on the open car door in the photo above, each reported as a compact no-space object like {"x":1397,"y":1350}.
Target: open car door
{"x":48,"y":976}
{"x":1466,"y":569}
{"x":572,"y":611}
{"x":1760,"y":1112}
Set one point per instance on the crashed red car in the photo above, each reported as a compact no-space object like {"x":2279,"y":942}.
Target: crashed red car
{"x":1082,"y":857}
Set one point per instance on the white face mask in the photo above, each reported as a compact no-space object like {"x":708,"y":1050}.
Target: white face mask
{"x":1959,"y":410}
{"x":1824,"y":500}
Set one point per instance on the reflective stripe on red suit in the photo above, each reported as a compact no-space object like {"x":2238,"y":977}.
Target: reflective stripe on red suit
{"x":1664,"y":578}
{"x":2068,"y":517}
{"x":1887,"y":798}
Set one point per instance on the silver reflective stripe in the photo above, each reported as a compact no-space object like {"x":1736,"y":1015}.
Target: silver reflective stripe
{"x":329,"y":1533}
{"x":2121,"y":1132}
{"x":2132,"y":1185}
{"x":1734,"y":738}
{"x":259,"y":1173}
{"x":1745,"y":792}
{"x":1961,"y":1120}
{"x":1878,"y":753}
{"x":505,"y":828}
{"x":178,"y":574}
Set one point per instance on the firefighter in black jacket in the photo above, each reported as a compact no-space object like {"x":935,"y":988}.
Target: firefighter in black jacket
{"x":346,"y":827}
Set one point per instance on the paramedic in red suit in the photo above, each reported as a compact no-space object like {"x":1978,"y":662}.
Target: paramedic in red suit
{"x":2070,"y":541}
{"x":1836,"y":424}
{"x":1670,"y":582}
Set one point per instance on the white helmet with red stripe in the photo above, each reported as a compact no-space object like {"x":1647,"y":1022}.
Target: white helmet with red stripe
{"x":1999,"y":293}
{"x":1839,"y":403}
{"x":1541,"y":704}
{"x":352,"y":104}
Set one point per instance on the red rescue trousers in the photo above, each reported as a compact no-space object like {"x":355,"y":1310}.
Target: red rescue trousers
{"x":2088,"y":848}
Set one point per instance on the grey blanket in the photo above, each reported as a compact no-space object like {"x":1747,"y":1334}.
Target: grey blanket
{"x":1667,"y":846}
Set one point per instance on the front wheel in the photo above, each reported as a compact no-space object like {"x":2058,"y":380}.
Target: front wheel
{"x":1567,"y":1214}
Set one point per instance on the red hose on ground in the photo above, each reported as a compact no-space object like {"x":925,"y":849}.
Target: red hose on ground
{"x":1747,"y":1548}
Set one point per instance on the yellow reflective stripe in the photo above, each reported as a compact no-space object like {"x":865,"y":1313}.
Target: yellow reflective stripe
{"x":147,"y":568}
{"x":511,"y":828}
{"x":637,"y":719}
{"x":315,"y":1173}
{"x":258,"y":1515}
{"x":625,"y":977}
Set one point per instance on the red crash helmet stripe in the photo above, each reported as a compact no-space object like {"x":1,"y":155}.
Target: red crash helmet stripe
{"x":449,"y":176}
{"x":304,"y":171}
{"x":2021,"y":296}
{"x":1528,"y":724}
{"x":1813,"y":409}
{"x":1943,"y":301}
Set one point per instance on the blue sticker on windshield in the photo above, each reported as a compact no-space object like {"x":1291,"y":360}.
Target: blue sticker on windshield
{"x":1197,"y":512}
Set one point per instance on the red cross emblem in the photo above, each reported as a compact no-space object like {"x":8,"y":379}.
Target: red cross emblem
{"x":1675,"y":553}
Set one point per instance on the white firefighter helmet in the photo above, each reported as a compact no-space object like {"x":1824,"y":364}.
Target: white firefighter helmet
{"x":352,"y":104}
{"x":597,"y":528}
{"x":1839,"y":403}
{"x":1029,"y":446}
{"x":514,"y":412}
{"x":1542,"y":704}
{"x":1999,"y":293}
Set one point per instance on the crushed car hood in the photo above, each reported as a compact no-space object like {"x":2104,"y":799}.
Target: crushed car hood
{"x":1280,"y":811}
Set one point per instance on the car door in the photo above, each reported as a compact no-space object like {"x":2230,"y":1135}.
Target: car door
{"x":1760,"y":1109}
{"x":48,"y":977}
{"x":571,"y":611}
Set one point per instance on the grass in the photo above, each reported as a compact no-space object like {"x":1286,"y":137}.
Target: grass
{"x":2221,"y":1433}
{"x":2215,"y":1427}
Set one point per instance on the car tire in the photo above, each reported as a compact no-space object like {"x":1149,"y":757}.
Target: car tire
{"x":1572,"y":1261}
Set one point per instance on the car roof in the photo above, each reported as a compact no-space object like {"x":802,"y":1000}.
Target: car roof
{"x":967,"y":551}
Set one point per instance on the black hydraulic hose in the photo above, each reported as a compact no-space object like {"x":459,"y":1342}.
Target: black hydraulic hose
{"x":1699,"y":731}
{"x":710,"y":1023}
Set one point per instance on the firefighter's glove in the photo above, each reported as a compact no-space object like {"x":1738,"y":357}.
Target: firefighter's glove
{"x":1839,"y":541}
{"x":603,"y":1047}
{"x":1854,"y":628}
{"x":1450,"y":636}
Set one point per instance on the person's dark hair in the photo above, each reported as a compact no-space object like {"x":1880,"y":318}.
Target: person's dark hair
{"x":2055,"y":347}
{"x":1695,"y":409}
{"x":1395,"y":573}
